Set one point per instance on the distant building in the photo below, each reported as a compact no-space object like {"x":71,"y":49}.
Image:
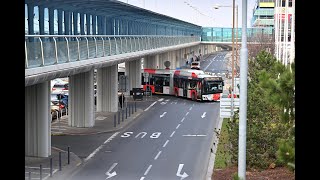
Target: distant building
{"x":277,"y":15}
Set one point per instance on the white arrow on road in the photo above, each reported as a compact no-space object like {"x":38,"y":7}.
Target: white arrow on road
{"x":110,"y":169}
{"x":203,"y":115}
{"x":184,"y":175}
{"x":163,"y":114}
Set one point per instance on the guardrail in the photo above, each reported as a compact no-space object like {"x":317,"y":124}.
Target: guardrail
{"x":44,"y":50}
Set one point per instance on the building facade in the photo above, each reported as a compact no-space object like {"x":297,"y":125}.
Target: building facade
{"x":279,"y":16}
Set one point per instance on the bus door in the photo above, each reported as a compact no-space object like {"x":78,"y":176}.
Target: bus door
{"x":185,"y":87}
{"x":158,"y":84}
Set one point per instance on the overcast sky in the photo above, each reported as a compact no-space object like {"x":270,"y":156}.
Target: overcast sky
{"x":200,"y":12}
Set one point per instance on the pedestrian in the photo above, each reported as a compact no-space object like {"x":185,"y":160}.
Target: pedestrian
{"x":121,"y":100}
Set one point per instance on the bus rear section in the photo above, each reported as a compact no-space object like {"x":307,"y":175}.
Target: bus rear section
{"x":197,"y":85}
{"x":159,"y":81}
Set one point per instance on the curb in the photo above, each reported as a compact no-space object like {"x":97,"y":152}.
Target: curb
{"x":213,"y":154}
{"x":100,"y":132}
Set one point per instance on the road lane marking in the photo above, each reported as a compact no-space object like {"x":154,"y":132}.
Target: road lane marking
{"x":209,"y":64}
{"x":157,"y":155}
{"x":187,"y":113}
{"x":172,"y":133}
{"x":142,"y":178}
{"x":203,"y":115}
{"x":160,"y":99}
{"x":165,"y":143}
{"x":178,"y":126}
{"x":190,"y":108}
{"x":163,"y":114}
{"x":182,"y":119}
{"x":114,"y":173}
{"x":150,"y":106}
{"x":145,"y":173}
{"x":194,"y":135}
{"x":100,"y":147}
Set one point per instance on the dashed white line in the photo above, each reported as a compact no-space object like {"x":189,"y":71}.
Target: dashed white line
{"x":182,"y":119}
{"x":145,"y":173}
{"x":161,"y":99}
{"x":155,"y":158}
{"x":111,"y":137}
{"x":100,"y":147}
{"x":150,"y":106}
{"x":190,"y":108}
{"x":187,"y":113}
{"x":178,"y":126}
{"x":172,"y":133}
{"x":142,"y":178}
{"x":165,"y":143}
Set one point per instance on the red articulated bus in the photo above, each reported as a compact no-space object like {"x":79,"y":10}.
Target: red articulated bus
{"x":188,"y":83}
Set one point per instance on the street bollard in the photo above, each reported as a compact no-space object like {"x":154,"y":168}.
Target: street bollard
{"x":29,"y":175}
{"x":132,"y":109}
{"x":40,"y":172}
{"x":60,"y":168}
{"x":118,"y":117}
{"x":129,"y":110}
{"x":50,"y":167}
{"x":115,"y":120}
{"x":122,"y":114}
{"x":68,"y":154}
{"x":135,"y":106}
{"x":126,"y":112}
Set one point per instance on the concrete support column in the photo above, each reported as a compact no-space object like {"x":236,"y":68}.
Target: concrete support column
{"x":51,"y":21}
{"x":88,"y":23}
{"x":107,"y":89}
{"x":94,"y":25}
{"x":133,"y":71}
{"x":81,"y":100}
{"x":37,"y":120}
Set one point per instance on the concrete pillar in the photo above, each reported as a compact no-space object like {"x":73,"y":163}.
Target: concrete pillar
{"x":30,"y":19}
{"x":88,"y":23}
{"x":75,"y":23}
{"x":107,"y":89}
{"x":94,"y":25}
{"x":37,"y":120}
{"x":81,"y":100}
{"x":133,"y":71}
{"x":51,"y":21}
{"x":66,"y":23}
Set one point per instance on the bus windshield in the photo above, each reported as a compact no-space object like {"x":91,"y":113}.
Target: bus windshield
{"x":212,"y":87}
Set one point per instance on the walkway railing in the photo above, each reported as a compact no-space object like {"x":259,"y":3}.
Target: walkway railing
{"x":44,"y":50}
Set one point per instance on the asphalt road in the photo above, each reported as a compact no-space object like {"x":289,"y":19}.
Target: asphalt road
{"x":215,"y":63}
{"x":170,"y":140}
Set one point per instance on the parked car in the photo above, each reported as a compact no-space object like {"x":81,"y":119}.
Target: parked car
{"x":54,"y":111}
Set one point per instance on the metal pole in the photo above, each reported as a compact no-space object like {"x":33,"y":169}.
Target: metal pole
{"x":118,"y":117}
{"x":232,"y":63}
{"x":243,"y":95}
{"x":50,"y":167}
{"x":60,"y":161}
{"x":40,"y":172}
{"x":68,"y":155}
{"x":114,"y":120}
{"x":122,"y":111}
{"x":135,"y":106}
{"x":237,"y":35}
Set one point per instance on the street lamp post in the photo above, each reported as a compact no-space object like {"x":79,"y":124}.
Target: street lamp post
{"x":232,"y":56}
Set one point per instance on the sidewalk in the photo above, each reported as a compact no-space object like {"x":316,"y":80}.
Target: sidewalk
{"x":104,"y":122}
